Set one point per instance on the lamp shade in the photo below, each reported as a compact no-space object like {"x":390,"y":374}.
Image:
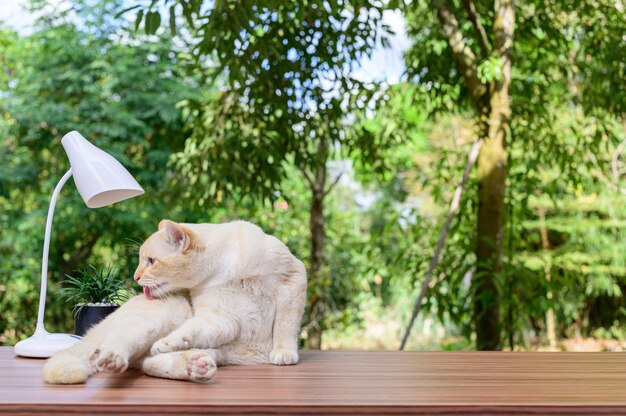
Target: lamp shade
{"x":101,"y":180}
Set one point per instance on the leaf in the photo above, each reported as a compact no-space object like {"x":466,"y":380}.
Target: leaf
{"x":173,"y":20}
{"x":138,"y":19}
{"x":153,"y":21}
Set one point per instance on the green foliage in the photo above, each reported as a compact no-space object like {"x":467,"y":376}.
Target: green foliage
{"x":584,"y":258}
{"x":94,"y":285}
{"x":490,"y":70}
{"x":287,"y":66}
{"x":562,"y":127}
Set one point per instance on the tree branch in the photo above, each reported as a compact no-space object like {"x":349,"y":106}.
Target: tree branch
{"x":597,"y":173}
{"x":332,"y":185}
{"x":454,"y":207}
{"x":615,"y":160}
{"x":463,"y":55}
{"x":306,"y":175}
{"x":483,"y":41}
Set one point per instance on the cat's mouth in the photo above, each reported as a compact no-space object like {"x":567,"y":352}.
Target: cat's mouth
{"x":151,"y":291}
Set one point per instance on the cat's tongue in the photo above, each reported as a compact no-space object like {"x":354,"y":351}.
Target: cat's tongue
{"x":146,"y":291}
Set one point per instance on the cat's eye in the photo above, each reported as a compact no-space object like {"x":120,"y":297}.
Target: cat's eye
{"x":151,"y":260}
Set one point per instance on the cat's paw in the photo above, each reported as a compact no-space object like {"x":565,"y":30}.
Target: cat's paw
{"x":169,"y":344}
{"x":108,"y":360}
{"x":281,"y":356}
{"x":201,"y":367}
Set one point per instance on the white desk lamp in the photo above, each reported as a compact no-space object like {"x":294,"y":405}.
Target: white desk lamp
{"x":101,"y":180}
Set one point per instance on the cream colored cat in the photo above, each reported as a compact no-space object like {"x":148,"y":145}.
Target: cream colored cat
{"x":214,"y":294}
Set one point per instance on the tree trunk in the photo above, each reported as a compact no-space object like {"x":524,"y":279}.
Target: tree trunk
{"x":490,"y":229}
{"x":317,"y":221}
{"x":317,"y":301}
{"x":492,"y":166}
{"x":545,"y":244}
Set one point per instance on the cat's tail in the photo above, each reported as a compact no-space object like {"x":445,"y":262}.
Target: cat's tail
{"x":70,"y":366}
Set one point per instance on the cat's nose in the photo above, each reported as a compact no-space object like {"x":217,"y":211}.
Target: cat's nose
{"x":136,"y":277}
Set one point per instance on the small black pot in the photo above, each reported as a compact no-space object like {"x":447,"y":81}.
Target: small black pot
{"x":89,"y":315}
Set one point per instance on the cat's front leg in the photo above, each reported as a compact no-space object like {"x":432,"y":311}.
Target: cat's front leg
{"x":110,"y":360}
{"x":173,"y":342}
{"x":206,"y":330}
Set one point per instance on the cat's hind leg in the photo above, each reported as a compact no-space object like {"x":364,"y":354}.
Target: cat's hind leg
{"x":291,"y":298}
{"x":192,"y":365}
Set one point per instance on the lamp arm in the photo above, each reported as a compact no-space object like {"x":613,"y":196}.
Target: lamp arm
{"x":46,"y":250}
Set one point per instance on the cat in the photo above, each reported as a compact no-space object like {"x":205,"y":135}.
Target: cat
{"x":214,"y":294}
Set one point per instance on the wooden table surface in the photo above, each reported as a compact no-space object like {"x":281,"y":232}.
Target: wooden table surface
{"x":347,"y":382}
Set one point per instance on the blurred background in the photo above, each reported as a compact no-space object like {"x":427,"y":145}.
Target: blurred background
{"x":342,"y":128}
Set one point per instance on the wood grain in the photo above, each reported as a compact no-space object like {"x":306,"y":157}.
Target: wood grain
{"x":343,"y":382}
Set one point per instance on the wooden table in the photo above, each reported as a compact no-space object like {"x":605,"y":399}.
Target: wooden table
{"x":347,"y":382}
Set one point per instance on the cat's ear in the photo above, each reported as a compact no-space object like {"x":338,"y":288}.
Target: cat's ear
{"x":176,"y":234}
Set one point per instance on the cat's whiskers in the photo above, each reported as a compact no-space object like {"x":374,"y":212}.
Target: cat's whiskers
{"x":132,"y":246}
{"x":162,"y":293}
{"x":155,"y":288}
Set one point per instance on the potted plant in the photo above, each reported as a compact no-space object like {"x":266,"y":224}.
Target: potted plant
{"x":95,"y":294}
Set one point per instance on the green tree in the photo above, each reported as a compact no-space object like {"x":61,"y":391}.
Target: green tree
{"x":515,"y":67}
{"x":289,"y":99}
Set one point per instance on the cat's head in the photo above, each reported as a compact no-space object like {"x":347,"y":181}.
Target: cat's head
{"x":169,"y":260}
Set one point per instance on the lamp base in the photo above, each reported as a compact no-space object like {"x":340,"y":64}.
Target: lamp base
{"x":43,"y":344}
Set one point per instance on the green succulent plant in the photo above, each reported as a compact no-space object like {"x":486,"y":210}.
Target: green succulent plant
{"x":94,"y":285}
